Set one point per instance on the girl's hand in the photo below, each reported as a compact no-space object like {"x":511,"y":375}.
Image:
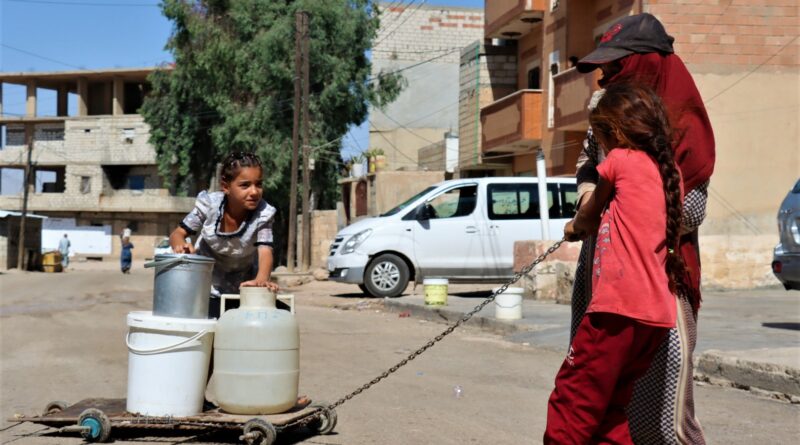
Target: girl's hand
{"x":571,"y":234}
{"x":183,"y":248}
{"x":260,"y":282}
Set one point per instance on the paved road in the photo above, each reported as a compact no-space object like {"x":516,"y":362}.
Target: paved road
{"x":62,"y":338}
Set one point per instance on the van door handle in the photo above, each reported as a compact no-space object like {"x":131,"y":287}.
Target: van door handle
{"x":472,"y":229}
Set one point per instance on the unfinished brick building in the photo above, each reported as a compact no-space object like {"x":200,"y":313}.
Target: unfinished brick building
{"x":93,"y":171}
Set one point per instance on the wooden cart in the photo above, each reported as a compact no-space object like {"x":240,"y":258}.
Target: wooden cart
{"x":95,"y":419}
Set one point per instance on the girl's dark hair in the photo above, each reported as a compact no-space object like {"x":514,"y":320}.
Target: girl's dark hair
{"x":236,"y":161}
{"x":636,"y":117}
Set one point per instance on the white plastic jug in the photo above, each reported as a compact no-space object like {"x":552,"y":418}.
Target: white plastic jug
{"x":167,"y":364}
{"x":256,"y":355}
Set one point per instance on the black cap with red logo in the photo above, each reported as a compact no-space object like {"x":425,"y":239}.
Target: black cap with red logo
{"x":640,"y":33}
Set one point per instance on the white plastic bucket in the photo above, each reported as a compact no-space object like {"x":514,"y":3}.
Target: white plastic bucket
{"x":167,"y":364}
{"x":508,"y":305}
{"x":435,"y":291}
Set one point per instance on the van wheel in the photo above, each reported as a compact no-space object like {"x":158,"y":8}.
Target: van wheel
{"x":386,"y":276}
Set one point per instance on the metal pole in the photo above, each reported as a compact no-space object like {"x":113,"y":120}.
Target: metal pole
{"x":26,"y":185}
{"x":544,"y":206}
{"x":306,"y":151}
{"x":295,"y":143}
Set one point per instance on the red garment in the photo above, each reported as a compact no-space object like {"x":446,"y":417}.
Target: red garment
{"x":595,"y":382}
{"x":694,"y":137}
{"x":629,"y":276}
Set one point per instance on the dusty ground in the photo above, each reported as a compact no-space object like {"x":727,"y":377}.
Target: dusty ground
{"x":62,"y":338}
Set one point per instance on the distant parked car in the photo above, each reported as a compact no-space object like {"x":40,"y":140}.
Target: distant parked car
{"x":786,"y":259}
{"x":162,"y":247}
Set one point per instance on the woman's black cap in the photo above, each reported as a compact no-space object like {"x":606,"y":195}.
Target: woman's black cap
{"x":640,"y":33}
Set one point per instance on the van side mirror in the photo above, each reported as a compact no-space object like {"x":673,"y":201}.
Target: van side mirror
{"x":425,"y":212}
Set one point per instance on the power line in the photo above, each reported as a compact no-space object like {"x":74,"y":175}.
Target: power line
{"x":83,"y":3}
{"x":39,"y":56}
{"x":397,"y":19}
{"x":753,"y":70}
{"x":400,"y":70}
{"x":401,"y":23}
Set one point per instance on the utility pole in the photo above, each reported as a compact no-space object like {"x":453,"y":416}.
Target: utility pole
{"x":26,"y":186}
{"x":306,"y":151}
{"x":298,"y":32}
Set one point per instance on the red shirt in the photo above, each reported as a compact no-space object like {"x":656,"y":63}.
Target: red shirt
{"x":629,"y":276}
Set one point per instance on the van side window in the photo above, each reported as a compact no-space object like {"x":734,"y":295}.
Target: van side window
{"x":456,"y":202}
{"x":569,"y":198}
{"x":521,"y":201}
{"x":513,"y":201}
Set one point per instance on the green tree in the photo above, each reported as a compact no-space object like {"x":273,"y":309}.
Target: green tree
{"x":231,"y":89}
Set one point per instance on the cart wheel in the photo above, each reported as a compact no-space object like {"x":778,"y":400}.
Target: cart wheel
{"x":98,"y":423}
{"x":55,"y":407}
{"x":326,"y":419}
{"x":259,"y":432}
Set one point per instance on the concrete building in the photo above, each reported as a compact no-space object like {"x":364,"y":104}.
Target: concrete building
{"x":93,"y":173}
{"x":9,"y":239}
{"x":423,"y":42}
{"x":519,"y":93}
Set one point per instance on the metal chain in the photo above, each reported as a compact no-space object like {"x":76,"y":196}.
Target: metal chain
{"x":432,"y":342}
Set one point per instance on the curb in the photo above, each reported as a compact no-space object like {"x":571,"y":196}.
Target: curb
{"x":782,"y":382}
{"x":748,"y":374}
{"x":442,"y":315}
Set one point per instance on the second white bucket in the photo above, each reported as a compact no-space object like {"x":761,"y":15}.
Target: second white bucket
{"x":508,"y":305}
{"x":167,"y":364}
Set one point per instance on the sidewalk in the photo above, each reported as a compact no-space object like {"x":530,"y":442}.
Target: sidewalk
{"x":750,"y":339}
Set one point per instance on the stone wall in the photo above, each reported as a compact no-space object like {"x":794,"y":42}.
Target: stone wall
{"x":553,"y":278}
{"x":432,"y":157}
{"x":323,"y":231}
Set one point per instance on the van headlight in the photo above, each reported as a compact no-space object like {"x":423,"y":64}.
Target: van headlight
{"x":355,"y":241}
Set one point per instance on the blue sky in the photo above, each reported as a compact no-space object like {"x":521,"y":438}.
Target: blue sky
{"x":52,"y":35}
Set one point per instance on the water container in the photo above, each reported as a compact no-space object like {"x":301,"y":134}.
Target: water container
{"x":182,"y":285}
{"x":435,"y":291}
{"x":256,"y":356}
{"x":508,"y":305}
{"x":167,"y":364}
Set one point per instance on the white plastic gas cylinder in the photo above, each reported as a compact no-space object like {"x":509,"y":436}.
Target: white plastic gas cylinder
{"x":256,"y":356}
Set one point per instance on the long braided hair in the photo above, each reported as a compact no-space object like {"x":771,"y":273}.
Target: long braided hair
{"x":635,"y":117}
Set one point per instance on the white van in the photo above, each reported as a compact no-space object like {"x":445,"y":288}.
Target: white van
{"x":463,"y":230}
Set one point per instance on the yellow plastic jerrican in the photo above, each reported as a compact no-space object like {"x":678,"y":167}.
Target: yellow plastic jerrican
{"x":256,"y":356}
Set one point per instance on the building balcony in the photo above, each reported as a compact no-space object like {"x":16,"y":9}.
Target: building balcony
{"x":511,"y":19}
{"x":572,"y":92}
{"x":512,"y":124}
{"x":158,"y":201}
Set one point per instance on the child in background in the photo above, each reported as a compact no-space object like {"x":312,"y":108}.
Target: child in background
{"x":235,"y":228}
{"x":637,"y":207}
{"x":126,"y":256}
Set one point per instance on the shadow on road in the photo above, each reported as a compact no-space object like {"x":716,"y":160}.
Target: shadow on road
{"x":788,"y":325}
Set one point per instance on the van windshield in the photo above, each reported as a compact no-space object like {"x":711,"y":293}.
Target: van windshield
{"x":407,"y":202}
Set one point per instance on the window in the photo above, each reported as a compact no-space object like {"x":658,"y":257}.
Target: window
{"x":521,"y":201}
{"x":86,"y":184}
{"x":136,"y":182}
{"x":568,"y":194}
{"x":513,"y":201}
{"x":405,"y":203}
{"x":127,"y":135}
{"x":459,"y":201}
{"x":534,"y":79}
